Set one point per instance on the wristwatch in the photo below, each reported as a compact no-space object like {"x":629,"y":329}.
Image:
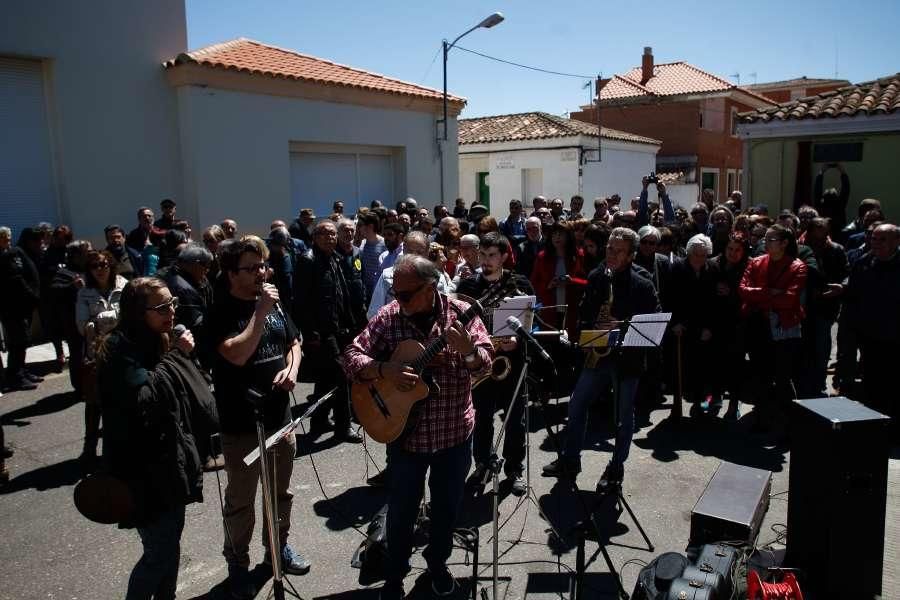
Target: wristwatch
{"x":471,"y":357}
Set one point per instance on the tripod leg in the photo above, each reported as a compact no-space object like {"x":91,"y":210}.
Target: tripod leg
{"x":679,"y":383}
{"x":624,"y":503}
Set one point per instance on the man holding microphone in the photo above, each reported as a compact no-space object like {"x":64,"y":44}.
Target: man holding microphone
{"x":258,"y":347}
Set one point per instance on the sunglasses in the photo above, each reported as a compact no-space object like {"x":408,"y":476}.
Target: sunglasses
{"x":406,"y":295}
{"x":163,"y":309}
{"x":104,"y":265}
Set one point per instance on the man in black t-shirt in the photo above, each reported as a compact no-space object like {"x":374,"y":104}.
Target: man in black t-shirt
{"x":257,"y":346}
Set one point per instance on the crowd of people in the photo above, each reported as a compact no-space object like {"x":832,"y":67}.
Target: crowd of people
{"x":754,"y":299}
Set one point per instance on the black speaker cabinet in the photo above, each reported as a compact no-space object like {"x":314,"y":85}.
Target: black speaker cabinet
{"x":837,"y":496}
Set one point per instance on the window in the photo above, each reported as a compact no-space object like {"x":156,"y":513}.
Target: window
{"x":734,"y":122}
{"x":709,"y":179}
{"x":731,"y":181}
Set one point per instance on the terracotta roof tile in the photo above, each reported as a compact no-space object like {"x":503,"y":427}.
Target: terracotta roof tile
{"x":535,"y":126}
{"x":796,"y":82}
{"x":877,"y":97}
{"x":669,"y":79}
{"x":254,"y":57}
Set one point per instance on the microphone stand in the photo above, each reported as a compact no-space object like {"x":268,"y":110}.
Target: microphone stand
{"x":270,"y":499}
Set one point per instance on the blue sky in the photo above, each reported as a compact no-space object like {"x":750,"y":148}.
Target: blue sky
{"x":775,"y":40}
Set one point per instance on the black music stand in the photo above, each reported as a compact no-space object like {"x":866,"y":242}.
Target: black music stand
{"x":270,"y":500}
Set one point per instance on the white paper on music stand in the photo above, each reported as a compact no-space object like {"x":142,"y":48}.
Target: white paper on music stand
{"x":646,"y":331}
{"x":272,"y":440}
{"x":520,"y":307}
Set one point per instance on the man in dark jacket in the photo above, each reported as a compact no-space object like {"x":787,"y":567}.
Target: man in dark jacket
{"x":871,"y":318}
{"x":528,"y":250}
{"x":328,"y":314}
{"x":21,"y":294}
{"x":187,"y":281}
{"x":616,"y":291}
{"x":129,"y":262}
{"x":832,"y":203}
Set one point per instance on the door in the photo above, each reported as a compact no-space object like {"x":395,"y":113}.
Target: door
{"x":532,"y":185}
{"x":27,"y":192}
{"x":318,"y":179}
{"x":484,"y":190}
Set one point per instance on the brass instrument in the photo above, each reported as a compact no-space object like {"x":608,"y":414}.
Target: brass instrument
{"x":604,"y":327}
{"x":500,"y":367}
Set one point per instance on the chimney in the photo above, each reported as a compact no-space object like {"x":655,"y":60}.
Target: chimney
{"x":646,"y":65}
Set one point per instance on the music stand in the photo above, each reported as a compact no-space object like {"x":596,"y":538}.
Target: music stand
{"x":270,"y":500}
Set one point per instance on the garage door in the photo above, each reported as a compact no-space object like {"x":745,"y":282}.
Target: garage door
{"x":27,"y":193}
{"x":320,"y":178}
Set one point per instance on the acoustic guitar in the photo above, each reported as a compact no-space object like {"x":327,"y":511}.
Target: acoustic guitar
{"x":382,"y":408}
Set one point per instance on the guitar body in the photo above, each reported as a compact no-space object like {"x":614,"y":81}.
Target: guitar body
{"x":381,"y":408}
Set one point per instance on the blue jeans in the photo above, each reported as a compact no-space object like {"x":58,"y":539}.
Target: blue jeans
{"x":156,"y":573}
{"x":590,"y":384}
{"x":406,"y":471}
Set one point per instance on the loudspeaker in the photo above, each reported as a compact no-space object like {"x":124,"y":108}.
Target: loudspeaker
{"x":837,"y":497}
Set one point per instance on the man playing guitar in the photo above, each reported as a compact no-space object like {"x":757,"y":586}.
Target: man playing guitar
{"x":441,"y":437}
{"x":493,"y":252}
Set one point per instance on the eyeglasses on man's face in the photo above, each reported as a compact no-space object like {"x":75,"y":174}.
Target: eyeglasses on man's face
{"x":407,"y":295}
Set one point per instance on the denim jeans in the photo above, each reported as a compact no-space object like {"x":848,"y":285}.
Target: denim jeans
{"x":406,"y":473}
{"x":589,"y":386}
{"x":156,"y":573}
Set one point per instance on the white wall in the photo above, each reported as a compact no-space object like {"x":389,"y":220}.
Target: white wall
{"x":620,"y":171}
{"x":112,"y":114}
{"x":237,"y":158}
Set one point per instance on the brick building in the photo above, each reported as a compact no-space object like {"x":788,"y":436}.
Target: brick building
{"x":795,"y":89}
{"x":693,"y":112}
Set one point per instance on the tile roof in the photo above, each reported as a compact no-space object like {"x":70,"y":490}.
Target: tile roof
{"x":535,"y":126}
{"x":877,"y":97}
{"x":796,"y":82}
{"x":250,"y":56}
{"x":669,"y":79}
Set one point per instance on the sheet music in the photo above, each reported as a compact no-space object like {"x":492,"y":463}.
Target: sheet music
{"x":272,"y":440}
{"x":646,"y":331}
{"x":520,"y":307}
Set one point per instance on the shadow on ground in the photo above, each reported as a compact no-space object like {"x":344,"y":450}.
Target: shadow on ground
{"x":45,"y":406}
{"x":67,"y":472}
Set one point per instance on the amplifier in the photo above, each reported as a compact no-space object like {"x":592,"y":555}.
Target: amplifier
{"x":732,"y":506}
{"x":837,"y":497}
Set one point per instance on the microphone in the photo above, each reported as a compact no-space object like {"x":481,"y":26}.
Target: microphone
{"x":516,"y":325}
{"x":178,"y":331}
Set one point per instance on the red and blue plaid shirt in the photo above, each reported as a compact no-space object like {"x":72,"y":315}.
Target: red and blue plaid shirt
{"x":446,"y":418}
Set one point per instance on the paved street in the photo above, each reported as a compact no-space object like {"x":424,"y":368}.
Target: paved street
{"x":50,"y":551}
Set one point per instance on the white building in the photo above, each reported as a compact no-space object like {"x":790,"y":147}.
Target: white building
{"x":529,"y":154}
{"x":103,"y":111}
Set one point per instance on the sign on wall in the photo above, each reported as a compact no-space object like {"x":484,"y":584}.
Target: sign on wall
{"x":505,"y":163}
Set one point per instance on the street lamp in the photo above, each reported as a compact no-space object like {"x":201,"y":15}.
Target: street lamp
{"x":487,"y":23}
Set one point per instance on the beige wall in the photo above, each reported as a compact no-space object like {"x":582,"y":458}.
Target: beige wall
{"x":112,"y":115}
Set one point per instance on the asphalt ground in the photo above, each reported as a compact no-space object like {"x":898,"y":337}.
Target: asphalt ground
{"x":48,"y":550}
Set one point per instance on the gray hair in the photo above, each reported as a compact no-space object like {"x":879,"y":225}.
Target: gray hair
{"x":626,"y":235}
{"x":448,"y":221}
{"x":195,"y":253}
{"x":699,"y":241}
{"x":423,"y":268}
{"x":5,"y":232}
{"x":648,"y":231}
{"x":470,"y":239}
{"x":344,"y":222}
{"x":417,"y":236}
{"x":533,"y":220}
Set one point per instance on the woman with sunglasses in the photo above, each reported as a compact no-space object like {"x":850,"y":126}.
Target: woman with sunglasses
{"x":771,"y":291}
{"x":96,"y":314}
{"x":151,"y":428}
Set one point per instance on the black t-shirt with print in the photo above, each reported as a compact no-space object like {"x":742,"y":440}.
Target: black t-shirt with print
{"x":229,"y":318}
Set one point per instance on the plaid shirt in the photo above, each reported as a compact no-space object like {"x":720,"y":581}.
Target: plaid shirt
{"x":445,"y":419}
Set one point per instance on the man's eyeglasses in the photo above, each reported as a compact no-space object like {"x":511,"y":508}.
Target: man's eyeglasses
{"x":165,"y":307}
{"x":406,"y":295}
{"x":257,"y":267}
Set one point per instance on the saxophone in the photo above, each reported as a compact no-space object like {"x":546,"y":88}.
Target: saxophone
{"x":501,"y":366}
{"x":603,"y":323}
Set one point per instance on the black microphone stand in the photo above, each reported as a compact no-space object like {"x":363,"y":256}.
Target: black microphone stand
{"x":270,"y":499}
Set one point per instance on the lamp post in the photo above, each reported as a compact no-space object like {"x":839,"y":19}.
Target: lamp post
{"x":487,"y":23}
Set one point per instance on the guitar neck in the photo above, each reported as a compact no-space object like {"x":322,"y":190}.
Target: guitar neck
{"x":439,"y":343}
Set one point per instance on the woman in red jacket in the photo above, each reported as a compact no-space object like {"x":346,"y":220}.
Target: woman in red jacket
{"x":770,"y":292}
{"x":559,"y":278}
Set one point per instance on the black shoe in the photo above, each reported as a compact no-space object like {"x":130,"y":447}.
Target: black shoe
{"x":476,"y":479}
{"x":4,"y":475}
{"x":292,"y":562}
{"x":611,"y":479}
{"x":564,"y":467}
{"x":240,"y":584}
{"x":442,"y":582}
{"x":379,"y":480}
{"x":347,"y":434}
{"x":392,"y":590}
{"x":518,"y":487}
{"x":7,"y":452}
{"x":32,"y":377}
{"x":22,"y":385}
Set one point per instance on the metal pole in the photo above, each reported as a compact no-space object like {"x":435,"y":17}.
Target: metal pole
{"x":446,"y":51}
